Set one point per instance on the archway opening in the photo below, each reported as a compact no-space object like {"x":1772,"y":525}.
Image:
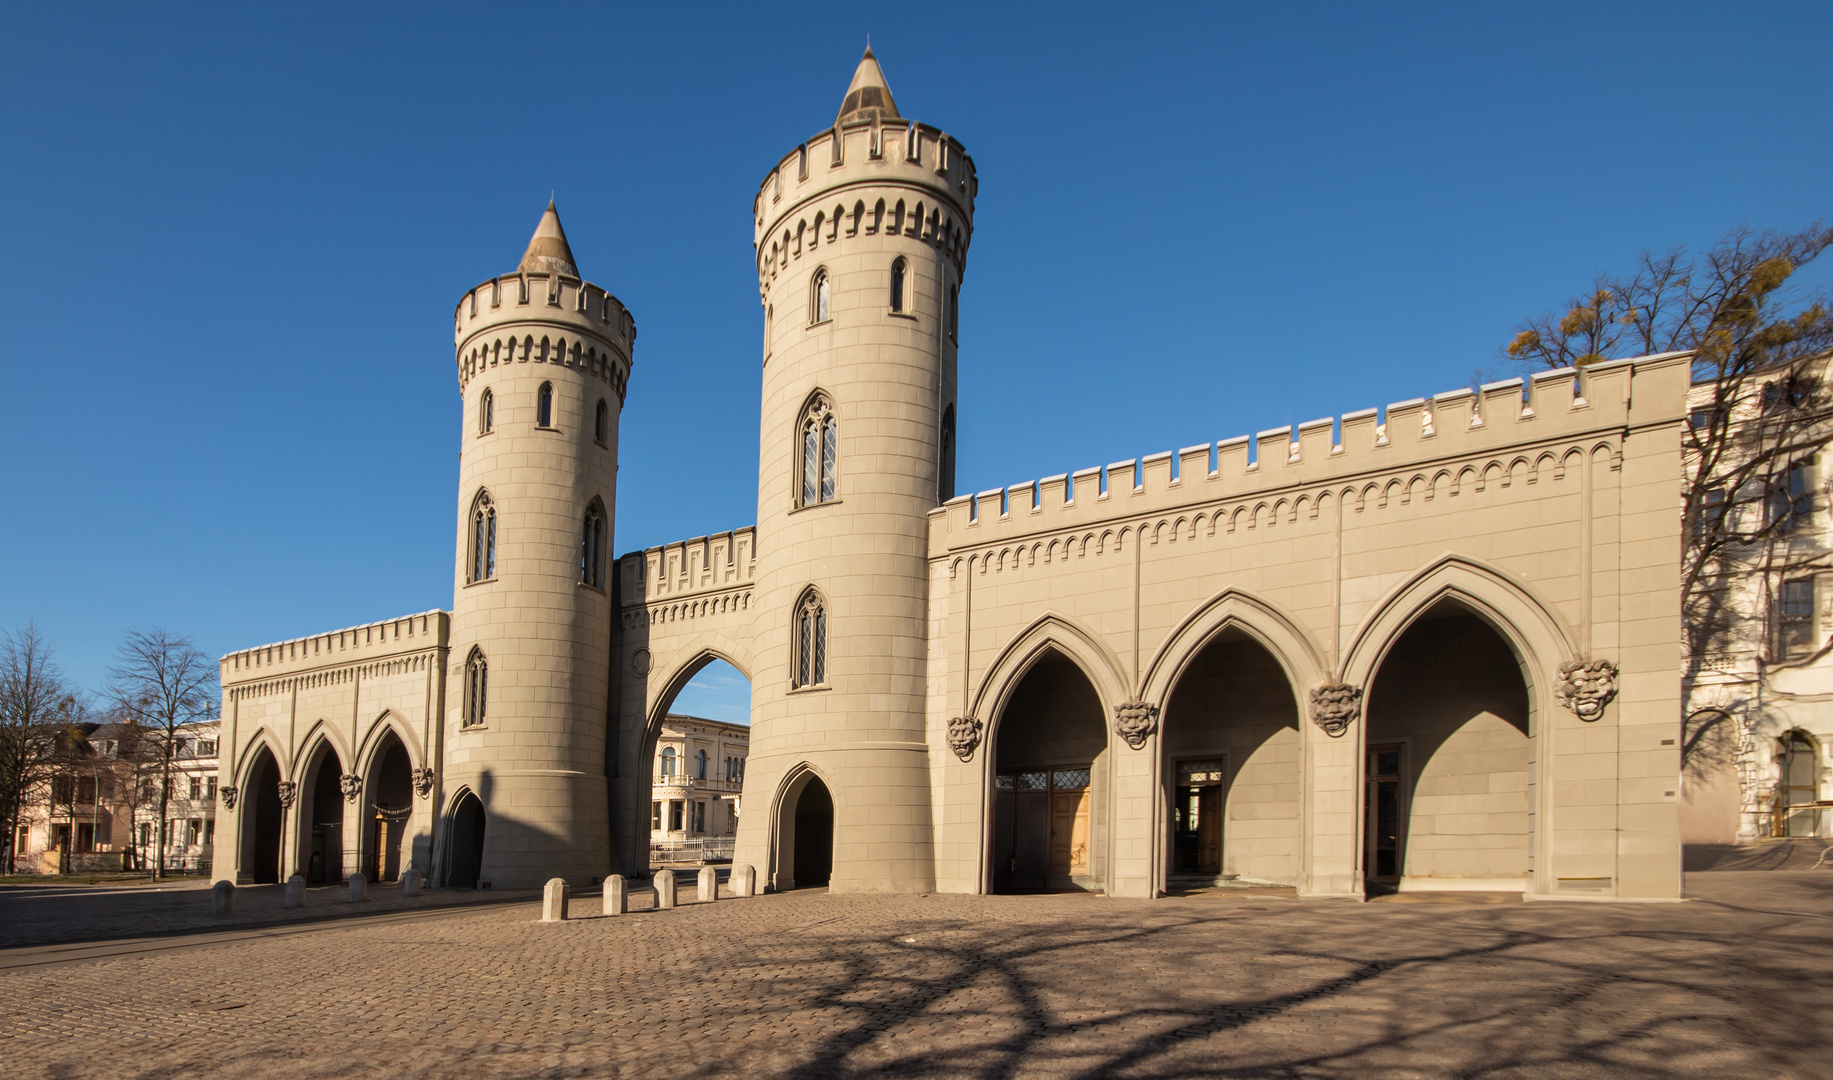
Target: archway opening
{"x":1797,"y":786}
{"x":390,"y":788}
{"x":814,"y":832}
{"x":1048,"y":789}
{"x":262,"y":820}
{"x":1446,"y":801}
{"x":697,"y":768}
{"x":323,"y":813}
{"x":467,"y":852}
{"x":1232,"y":763}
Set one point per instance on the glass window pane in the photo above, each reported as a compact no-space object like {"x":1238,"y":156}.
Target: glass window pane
{"x":805,"y":652}
{"x":811,"y":463}
{"x":1032,"y":781}
{"x":820,"y":646}
{"x":830,"y":439}
{"x":1069,"y":779}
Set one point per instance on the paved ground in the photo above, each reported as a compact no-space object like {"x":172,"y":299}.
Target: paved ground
{"x":1229,"y":983}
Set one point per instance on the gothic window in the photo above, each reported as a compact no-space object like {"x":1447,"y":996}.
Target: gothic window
{"x":486,"y":412}
{"x":668,"y":762}
{"x":945,"y":466}
{"x":483,"y":538}
{"x":700,"y":765}
{"x":544,"y":406}
{"x":899,"y":271}
{"x":477,"y":678}
{"x":822,"y":287}
{"x":811,"y":641}
{"x":952,"y":317}
{"x":601,"y":422}
{"x":592,"y":547}
{"x":820,"y":450}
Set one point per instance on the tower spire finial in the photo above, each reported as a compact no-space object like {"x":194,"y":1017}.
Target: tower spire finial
{"x":868,"y":97}
{"x":547,"y":249}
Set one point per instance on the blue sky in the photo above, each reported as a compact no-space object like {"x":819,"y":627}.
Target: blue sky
{"x":233,"y":237}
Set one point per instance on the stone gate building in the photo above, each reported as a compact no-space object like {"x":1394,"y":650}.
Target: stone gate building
{"x":1429,"y":647}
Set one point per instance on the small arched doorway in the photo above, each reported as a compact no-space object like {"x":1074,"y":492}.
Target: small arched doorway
{"x":814,"y":828}
{"x":1445,"y":796}
{"x":391,"y":802}
{"x":1797,"y":785}
{"x":323,"y":813}
{"x":262,"y":820}
{"x":467,"y":852}
{"x":1049,"y":756}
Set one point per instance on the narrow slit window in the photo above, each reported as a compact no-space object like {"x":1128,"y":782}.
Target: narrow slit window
{"x":899,"y":271}
{"x":592,"y":547}
{"x":477,"y":685}
{"x":821,"y":296}
{"x":601,"y":422}
{"x":544,"y":406}
{"x":486,"y":412}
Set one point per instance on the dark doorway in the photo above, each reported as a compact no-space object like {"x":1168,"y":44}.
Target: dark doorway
{"x":467,"y":843}
{"x":261,"y":828}
{"x":1196,"y":818}
{"x":325,"y":814}
{"x":1381,"y":813}
{"x":392,"y":783}
{"x":814,"y":835}
{"x":1045,"y":798}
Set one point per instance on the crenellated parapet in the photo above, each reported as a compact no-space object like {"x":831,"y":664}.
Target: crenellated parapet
{"x":1512,"y":432}
{"x":544,"y":318}
{"x":865,"y":178}
{"x":706,"y":575}
{"x":369,"y":643}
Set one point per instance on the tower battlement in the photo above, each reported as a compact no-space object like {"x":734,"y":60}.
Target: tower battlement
{"x":543,"y":317}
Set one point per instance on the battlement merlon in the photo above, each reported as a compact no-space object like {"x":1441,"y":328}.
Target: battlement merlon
{"x":406,"y":635}
{"x":840,"y":167}
{"x":703,"y":565}
{"x":536,"y":313}
{"x":1614,"y":399}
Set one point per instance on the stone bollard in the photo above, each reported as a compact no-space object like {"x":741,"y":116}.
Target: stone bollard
{"x":222,"y":898}
{"x":553,"y":900}
{"x":359,"y":887}
{"x":410,"y":883}
{"x":665,"y":889}
{"x":709,"y":884}
{"x":743,"y":881}
{"x":617,"y":895}
{"x":295,"y":892}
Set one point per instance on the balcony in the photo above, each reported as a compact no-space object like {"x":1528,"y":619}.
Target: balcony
{"x":688,"y":783}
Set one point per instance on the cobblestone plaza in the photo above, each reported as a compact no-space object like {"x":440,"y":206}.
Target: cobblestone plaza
{"x":1229,"y":982}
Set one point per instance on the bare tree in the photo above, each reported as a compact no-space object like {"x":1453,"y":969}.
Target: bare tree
{"x":34,"y":700}
{"x":163,"y":683}
{"x":1761,"y":407}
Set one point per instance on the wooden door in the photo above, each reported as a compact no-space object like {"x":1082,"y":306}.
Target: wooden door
{"x":1209,"y":829}
{"x":1383,"y":816}
{"x":1069,"y":834}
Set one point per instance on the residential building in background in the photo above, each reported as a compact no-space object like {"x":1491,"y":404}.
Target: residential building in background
{"x":699,"y":774}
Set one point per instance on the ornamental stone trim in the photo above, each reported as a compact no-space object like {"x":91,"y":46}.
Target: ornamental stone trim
{"x":1335,"y":706}
{"x":1135,"y":721}
{"x":228,"y":794}
{"x":351,"y":785}
{"x":1585,"y":687}
{"x":964,"y":736}
{"x":423,"y":781}
{"x":288,"y":791}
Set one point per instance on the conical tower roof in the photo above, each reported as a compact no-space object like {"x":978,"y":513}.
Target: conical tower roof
{"x":547,"y":250}
{"x":868,"y":97}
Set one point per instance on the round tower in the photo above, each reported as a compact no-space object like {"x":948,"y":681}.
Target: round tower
{"x":861,"y":238}
{"x":543,"y":360}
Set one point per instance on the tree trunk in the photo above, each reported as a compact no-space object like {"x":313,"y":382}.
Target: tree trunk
{"x":165,"y":798}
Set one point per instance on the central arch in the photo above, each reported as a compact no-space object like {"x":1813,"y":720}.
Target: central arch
{"x":694,"y":797}
{"x":389,"y":804}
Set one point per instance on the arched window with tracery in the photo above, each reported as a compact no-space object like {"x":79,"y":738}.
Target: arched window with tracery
{"x":486,"y":412}
{"x":819,"y":300}
{"x":820,"y":452}
{"x":544,"y":406}
{"x":899,"y":271}
{"x":592,"y":547}
{"x":811,"y":641}
{"x":483,"y":537}
{"x":668,"y":761}
{"x":700,"y":765}
{"x":477,"y":687}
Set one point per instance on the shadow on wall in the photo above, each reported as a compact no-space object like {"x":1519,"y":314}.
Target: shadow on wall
{"x":475,"y":833}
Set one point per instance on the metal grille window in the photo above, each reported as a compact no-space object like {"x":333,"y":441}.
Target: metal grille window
{"x":1199,"y":772}
{"x":811,"y":641}
{"x":820,"y":453}
{"x":483,"y":537}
